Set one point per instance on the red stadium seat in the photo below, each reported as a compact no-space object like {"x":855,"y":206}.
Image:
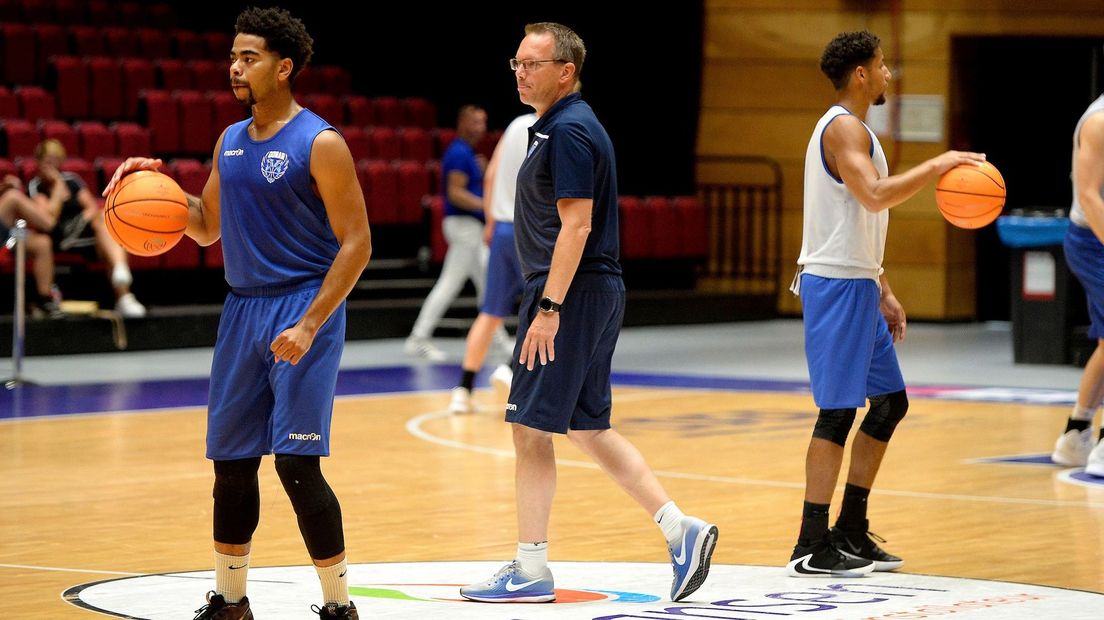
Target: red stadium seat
{"x":87,"y":173}
{"x":28,"y":168}
{"x":158,"y":110}
{"x":173,"y":74}
{"x":667,"y":231}
{"x":196,"y":118}
{"x":61,"y":131}
{"x":383,"y":143}
{"x":120,"y":42}
{"x":359,"y":110}
{"x":17,"y":49}
{"x":87,"y":41}
{"x":327,"y":106}
{"x":69,"y":11}
{"x":433,"y":169}
{"x":153,"y":44}
{"x":95,"y":140}
{"x":380,"y":183}
{"x":35,"y":103}
{"x":637,"y":229}
{"x":419,"y":112}
{"x":443,"y":136}
{"x":334,"y":80}
{"x":210,"y":75}
{"x":51,"y":40}
{"x":191,"y":174}
{"x":105,"y":167}
{"x":70,"y":82}
{"x":128,"y":13}
{"x":7,"y":167}
{"x":389,"y":111}
{"x":36,"y":11}
{"x":160,"y":15}
{"x":487,"y":145}
{"x":132,"y":139}
{"x":9,"y":104}
{"x":98,"y":12}
{"x":695,"y":226}
{"x":218,"y":44}
{"x":187,"y":44}
{"x":308,"y":81}
{"x":18,"y":138}
{"x":416,"y":143}
{"x":226,"y":110}
{"x":138,"y":74}
{"x":106,"y":78}
{"x":357,"y":141}
{"x":413,"y":189}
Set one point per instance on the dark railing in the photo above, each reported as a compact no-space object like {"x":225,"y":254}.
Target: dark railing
{"x":745,"y":222}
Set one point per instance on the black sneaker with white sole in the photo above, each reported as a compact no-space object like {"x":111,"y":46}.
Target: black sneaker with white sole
{"x":862,"y":544}
{"x":821,"y":559}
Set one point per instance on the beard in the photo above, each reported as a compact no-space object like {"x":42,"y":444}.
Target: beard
{"x":249,"y":99}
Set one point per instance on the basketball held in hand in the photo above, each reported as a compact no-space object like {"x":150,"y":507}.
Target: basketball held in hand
{"x":971,"y":195}
{"x":146,"y":213}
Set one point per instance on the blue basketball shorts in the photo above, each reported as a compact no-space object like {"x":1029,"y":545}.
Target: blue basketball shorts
{"x":259,"y":407}
{"x":573,"y":392}
{"x":847,"y":342}
{"x":1085,"y":257}
{"x":504,"y":281}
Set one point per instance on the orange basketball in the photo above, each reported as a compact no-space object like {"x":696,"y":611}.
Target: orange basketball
{"x":969,"y":195}
{"x":146,"y":213}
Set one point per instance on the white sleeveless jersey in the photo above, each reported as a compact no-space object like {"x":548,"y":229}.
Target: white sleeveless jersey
{"x":1077,"y":214}
{"x":515,"y":141}
{"x":840,"y":239}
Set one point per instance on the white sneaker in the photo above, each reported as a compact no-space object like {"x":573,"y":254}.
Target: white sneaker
{"x":129,"y":307}
{"x":1095,"y":464}
{"x":423,"y":348}
{"x":1073,"y":447}
{"x":461,"y":401}
{"x":502,"y":377}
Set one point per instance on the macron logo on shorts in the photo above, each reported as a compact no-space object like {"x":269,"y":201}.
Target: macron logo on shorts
{"x":305,"y":436}
{"x":511,"y":407}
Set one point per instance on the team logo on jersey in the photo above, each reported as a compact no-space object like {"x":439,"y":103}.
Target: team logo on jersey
{"x":274,"y":165}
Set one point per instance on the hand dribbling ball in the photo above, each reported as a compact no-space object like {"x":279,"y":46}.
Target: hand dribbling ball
{"x":146,"y":213}
{"x":971,"y":195}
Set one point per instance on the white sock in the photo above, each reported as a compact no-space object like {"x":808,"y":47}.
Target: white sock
{"x":669,"y":519}
{"x":230,"y":573}
{"x":1082,"y":413}
{"x":335,"y":585}
{"x":120,"y":276}
{"x":533,"y":557}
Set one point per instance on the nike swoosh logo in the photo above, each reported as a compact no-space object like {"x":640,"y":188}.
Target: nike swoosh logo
{"x":514,"y":587}
{"x":803,"y":566}
{"x":680,"y":559}
{"x":237,"y":567}
{"x":854,"y":549}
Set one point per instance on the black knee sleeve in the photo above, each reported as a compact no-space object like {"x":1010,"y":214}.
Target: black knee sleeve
{"x":886,"y":411}
{"x":834,"y":424}
{"x":316,"y":506}
{"x":237,"y":500}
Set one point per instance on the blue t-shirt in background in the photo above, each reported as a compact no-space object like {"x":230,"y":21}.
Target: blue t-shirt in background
{"x":460,"y":156}
{"x":570,"y":156}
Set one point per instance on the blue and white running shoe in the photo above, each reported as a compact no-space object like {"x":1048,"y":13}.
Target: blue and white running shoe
{"x":690,"y":559}
{"x":513,"y":585}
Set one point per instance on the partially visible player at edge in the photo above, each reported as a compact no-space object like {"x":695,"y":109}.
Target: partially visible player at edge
{"x":283,"y":195}
{"x":851,"y":317}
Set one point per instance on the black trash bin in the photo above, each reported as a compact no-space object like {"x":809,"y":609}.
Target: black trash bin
{"x":1041,"y":285}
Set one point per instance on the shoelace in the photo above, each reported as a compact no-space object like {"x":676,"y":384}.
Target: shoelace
{"x":875,"y":537}
{"x":332,"y":609}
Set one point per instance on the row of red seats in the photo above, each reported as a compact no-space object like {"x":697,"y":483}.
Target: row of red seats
{"x":652,"y":227}
{"x":94,"y":12}
{"x":88,"y":140}
{"x":27,"y":48}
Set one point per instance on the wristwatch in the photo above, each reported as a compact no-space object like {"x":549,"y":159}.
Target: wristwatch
{"x":547,"y":305}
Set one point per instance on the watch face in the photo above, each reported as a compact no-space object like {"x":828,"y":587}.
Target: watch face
{"x":546,"y":304}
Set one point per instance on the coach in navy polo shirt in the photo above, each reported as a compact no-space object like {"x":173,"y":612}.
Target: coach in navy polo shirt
{"x":565,"y":227}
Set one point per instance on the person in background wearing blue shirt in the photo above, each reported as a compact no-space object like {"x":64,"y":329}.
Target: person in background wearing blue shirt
{"x":566,"y":232}
{"x":283,"y":195}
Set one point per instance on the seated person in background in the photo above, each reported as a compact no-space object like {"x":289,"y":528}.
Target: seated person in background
{"x":15,"y":205}
{"x":80,"y":223}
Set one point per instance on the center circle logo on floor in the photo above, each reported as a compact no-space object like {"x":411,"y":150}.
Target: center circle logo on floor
{"x":598,"y":591}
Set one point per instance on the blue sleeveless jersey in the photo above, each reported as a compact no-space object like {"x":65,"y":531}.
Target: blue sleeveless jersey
{"x":275,"y":231}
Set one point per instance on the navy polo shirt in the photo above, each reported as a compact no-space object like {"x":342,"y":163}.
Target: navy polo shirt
{"x":570,"y":156}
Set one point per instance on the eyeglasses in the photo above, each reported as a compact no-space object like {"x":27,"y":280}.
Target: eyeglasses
{"x":529,"y":65}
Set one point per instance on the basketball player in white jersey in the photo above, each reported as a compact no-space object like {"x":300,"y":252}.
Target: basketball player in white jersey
{"x":851,"y":317}
{"x":1085,"y":256}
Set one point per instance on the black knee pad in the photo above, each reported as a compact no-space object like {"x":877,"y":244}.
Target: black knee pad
{"x":886,"y":411}
{"x":316,"y":506}
{"x":834,"y":424}
{"x":237,"y":500}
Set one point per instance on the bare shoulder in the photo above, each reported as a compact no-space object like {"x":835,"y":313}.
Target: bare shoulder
{"x":847,"y":132}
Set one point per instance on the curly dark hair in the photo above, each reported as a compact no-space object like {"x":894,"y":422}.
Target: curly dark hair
{"x":847,"y":51}
{"x":283,"y":33}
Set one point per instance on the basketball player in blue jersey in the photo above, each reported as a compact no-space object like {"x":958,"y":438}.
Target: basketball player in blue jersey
{"x":851,"y":317}
{"x":1085,"y":254}
{"x":571,"y":311}
{"x":284,"y":197}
